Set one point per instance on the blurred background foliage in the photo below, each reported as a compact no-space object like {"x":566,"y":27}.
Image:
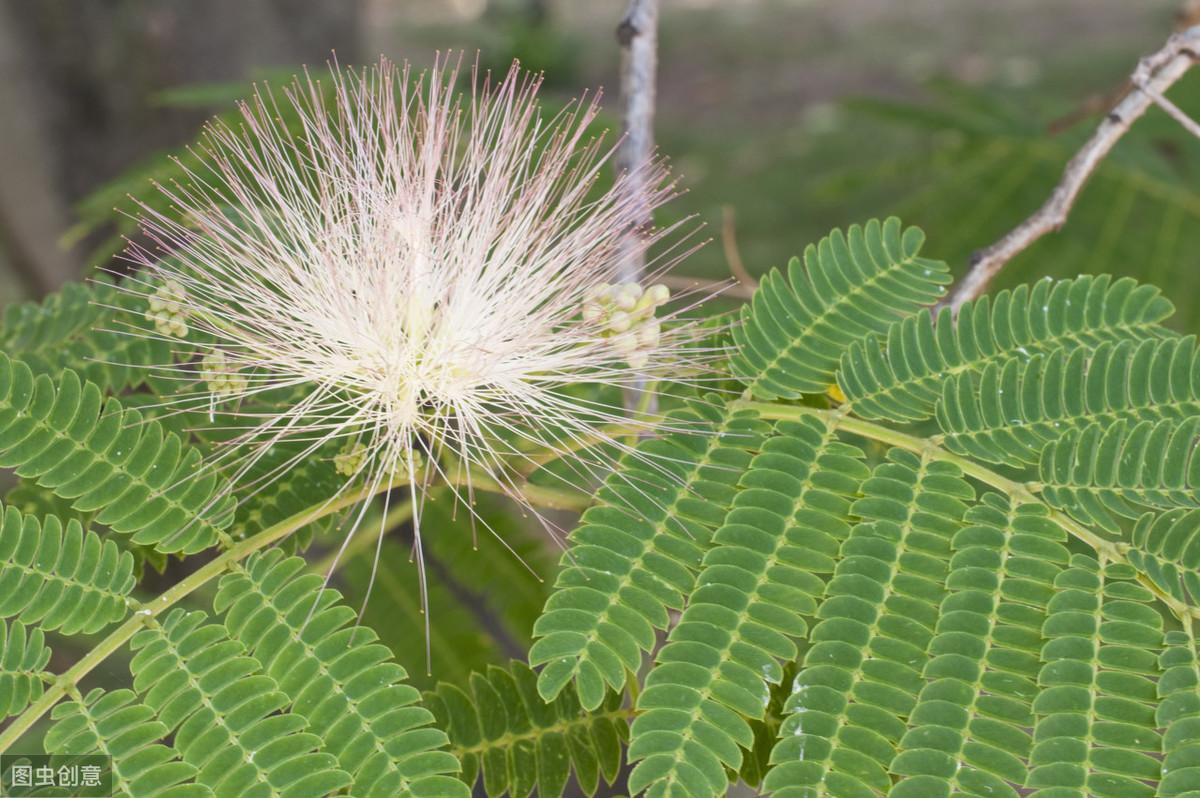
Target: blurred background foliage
{"x":783,"y":119}
{"x":794,"y":115}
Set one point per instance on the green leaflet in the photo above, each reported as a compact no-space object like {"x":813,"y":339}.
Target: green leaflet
{"x":756,"y":759}
{"x":23,"y":658}
{"x":33,"y":500}
{"x":93,"y":328}
{"x":1101,"y":473}
{"x":334,"y":674}
{"x":1178,"y":714}
{"x":636,"y":552}
{"x":1095,"y":730}
{"x":968,"y":733}
{"x":64,"y":579}
{"x":794,"y":331}
{"x":990,"y":162}
{"x":900,"y":375}
{"x":138,"y":480}
{"x":1007,"y":414}
{"x":759,"y":578}
{"x":500,"y":728}
{"x":1166,"y":550}
{"x":226,"y":714}
{"x":863,"y":673}
{"x":115,"y":724}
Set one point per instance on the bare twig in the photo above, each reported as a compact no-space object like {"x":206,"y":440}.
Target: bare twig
{"x":1173,"y":111}
{"x":733,"y":257}
{"x":1091,"y":105}
{"x":706,"y":286}
{"x":1187,"y":16}
{"x":638,"y":37}
{"x":32,"y":213}
{"x":1153,"y":76}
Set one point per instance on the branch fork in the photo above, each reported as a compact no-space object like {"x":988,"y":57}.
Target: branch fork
{"x":1154,"y":75}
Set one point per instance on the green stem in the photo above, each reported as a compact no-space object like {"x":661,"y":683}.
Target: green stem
{"x":541,"y":495}
{"x":639,"y":423}
{"x":396,"y":516}
{"x":564,"y":727}
{"x":1022,"y":493}
{"x":604,"y":435}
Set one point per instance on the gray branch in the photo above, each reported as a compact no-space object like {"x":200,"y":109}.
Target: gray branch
{"x":638,"y":37}
{"x":1154,"y":75}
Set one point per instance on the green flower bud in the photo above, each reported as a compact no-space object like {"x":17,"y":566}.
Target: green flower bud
{"x":626,"y":296}
{"x":353,"y":457}
{"x":619,"y":321}
{"x":177,"y":327}
{"x":625,"y":343}
{"x":350,"y":460}
{"x":220,"y":376}
{"x":167,"y":309}
{"x":648,"y":333}
{"x":626,"y":315}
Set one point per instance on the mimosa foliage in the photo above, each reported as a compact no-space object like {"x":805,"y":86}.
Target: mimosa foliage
{"x":23,"y":658}
{"x":954,"y":629}
{"x":919,"y":556}
{"x":500,"y":727}
{"x":93,"y":328}
{"x":65,"y":436}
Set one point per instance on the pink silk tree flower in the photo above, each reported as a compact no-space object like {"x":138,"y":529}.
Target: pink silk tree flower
{"x":434,"y":273}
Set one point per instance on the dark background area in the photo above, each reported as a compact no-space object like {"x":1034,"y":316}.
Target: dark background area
{"x":760,"y":110}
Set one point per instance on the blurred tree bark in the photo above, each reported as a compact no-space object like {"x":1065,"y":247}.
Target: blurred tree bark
{"x":32,"y":212}
{"x":637,"y":35}
{"x":77,"y":86}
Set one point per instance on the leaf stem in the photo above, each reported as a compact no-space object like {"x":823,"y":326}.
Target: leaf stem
{"x":396,"y":516}
{"x":564,"y":727}
{"x":1115,"y":551}
{"x":541,"y":495}
{"x":639,"y":423}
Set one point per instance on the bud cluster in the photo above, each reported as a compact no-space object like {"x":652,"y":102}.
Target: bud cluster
{"x":625,"y":314}
{"x":220,"y":377}
{"x":350,"y":460}
{"x":168,"y":310}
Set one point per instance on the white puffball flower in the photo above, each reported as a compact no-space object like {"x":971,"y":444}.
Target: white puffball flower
{"x":434,"y":275}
